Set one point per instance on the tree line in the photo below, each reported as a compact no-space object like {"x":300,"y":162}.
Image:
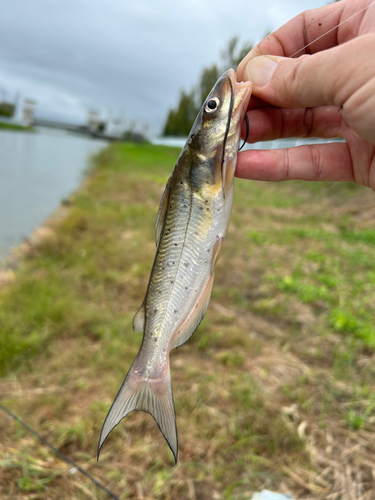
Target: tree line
{"x":181,"y":118}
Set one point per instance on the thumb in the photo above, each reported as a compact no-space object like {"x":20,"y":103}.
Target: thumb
{"x":343,"y":76}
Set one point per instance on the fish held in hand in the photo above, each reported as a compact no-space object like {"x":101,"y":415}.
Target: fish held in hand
{"x":191,"y":223}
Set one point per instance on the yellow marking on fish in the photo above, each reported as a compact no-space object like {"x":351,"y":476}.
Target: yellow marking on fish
{"x":211,"y":190}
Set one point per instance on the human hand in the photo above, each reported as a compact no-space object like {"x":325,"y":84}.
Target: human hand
{"x":328,"y":93}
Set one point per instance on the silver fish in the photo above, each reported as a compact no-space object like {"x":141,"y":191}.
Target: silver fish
{"x":191,"y":223}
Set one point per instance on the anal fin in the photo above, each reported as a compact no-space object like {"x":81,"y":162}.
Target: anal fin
{"x":228,"y":168}
{"x":191,"y":323}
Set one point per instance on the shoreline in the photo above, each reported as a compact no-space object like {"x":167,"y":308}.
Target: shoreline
{"x":39,"y":183}
{"x":43,"y":233}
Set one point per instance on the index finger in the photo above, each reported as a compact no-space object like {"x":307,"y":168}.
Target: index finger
{"x":301,"y":35}
{"x":317,"y":162}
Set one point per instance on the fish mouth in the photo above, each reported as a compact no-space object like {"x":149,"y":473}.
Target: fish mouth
{"x":241,"y":92}
{"x":229,"y":120}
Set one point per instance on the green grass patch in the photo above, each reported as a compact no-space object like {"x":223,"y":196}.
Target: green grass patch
{"x":15,"y":127}
{"x":285,"y":349}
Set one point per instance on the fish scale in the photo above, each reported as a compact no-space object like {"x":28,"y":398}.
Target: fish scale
{"x":192,"y":221}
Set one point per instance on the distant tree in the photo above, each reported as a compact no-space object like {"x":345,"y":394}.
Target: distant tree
{"x":180,"y":119}
{"x":209,"y":77}
{"x":7,"y":109}
{"x":233,"y":54}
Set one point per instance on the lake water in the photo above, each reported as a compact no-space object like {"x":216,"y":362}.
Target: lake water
{"x":37,"y":171}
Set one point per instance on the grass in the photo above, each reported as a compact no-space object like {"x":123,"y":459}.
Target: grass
{"x":276,"y":388}
{"x":14,"y":126}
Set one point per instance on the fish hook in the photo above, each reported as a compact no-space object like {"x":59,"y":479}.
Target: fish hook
{"x":247,"y":131}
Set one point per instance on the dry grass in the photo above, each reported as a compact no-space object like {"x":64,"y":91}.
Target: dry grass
{"x":275,"y":390}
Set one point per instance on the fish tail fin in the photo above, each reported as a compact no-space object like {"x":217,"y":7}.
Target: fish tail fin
{"x":153,"y":396}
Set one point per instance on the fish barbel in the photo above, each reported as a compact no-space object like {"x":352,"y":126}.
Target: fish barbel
{"x":191,"y":223}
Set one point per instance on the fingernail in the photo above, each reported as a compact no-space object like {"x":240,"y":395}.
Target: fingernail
{"x":260,"y":70}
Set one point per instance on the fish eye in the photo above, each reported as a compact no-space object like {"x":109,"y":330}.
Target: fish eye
{"x":212,"y":105}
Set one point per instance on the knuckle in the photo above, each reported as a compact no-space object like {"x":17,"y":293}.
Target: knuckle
{"x":286,"y":164}
{"x":292,"y":79}
{"x":308,"y":121}
{"x":294,"y":75}
{"x":316,"y":162}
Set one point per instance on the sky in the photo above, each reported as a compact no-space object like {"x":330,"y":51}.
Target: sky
{"x":126,"y":58}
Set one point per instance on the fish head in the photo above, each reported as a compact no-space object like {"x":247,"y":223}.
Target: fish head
{"x":220,"y":114}
{"x":215,"y":135}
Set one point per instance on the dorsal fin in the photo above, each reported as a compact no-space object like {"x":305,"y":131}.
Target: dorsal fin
{"x":160,"y":218}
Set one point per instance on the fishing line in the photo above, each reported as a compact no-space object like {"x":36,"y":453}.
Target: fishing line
{"x":247,"y":131}
{"x":58,"y":452}
{"x":308,"y":45}
{"x":337,"y":26}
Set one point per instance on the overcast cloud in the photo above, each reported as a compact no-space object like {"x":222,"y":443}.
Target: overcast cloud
{"x":123,"y":56}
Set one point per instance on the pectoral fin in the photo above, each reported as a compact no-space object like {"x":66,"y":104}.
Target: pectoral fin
{"x":160,"y":218}
{"x":228,"y":168}
{"x":216,"y":252}
{"x":224,"y":177}
{"x":140,"y":318}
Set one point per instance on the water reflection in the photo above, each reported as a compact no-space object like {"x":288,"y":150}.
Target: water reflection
{"x":36,"y":172}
